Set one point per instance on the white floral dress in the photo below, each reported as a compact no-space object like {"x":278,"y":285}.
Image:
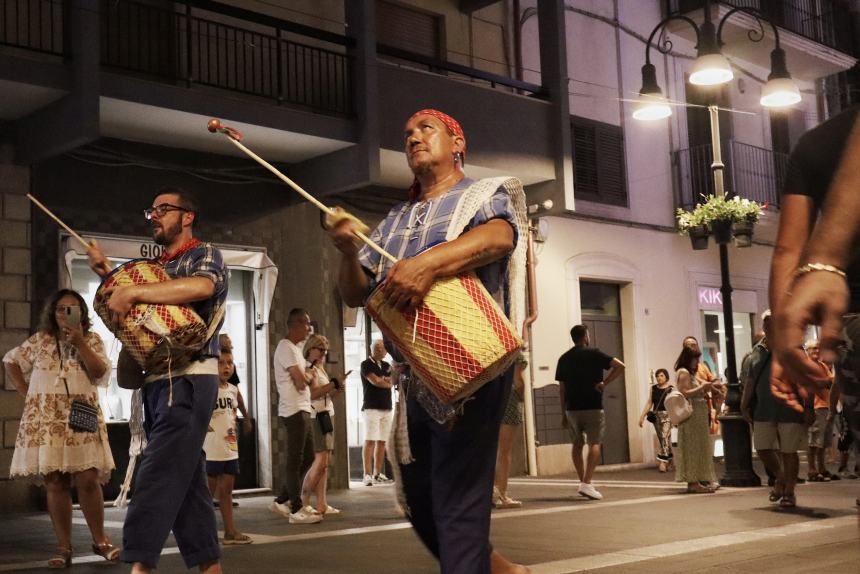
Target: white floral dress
{"x":45,"y":443}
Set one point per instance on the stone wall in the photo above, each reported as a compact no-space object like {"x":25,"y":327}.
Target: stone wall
{"x":15,"y":312}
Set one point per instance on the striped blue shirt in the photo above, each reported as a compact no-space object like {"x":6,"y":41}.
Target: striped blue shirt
{"x":411,"y":227}
{"x":204,"y":260}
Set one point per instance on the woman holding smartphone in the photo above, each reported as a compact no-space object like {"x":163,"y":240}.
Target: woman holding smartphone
{"x":63,"y":362}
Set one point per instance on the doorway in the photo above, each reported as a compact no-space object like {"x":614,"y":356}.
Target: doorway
{"x":601,"y":313}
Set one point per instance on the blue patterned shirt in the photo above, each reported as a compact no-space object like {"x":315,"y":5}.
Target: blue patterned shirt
{"x":411,"y":227}
{"x":204,"y":260}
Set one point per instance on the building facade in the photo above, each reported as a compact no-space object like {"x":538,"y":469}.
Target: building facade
{"x":104,"y":102}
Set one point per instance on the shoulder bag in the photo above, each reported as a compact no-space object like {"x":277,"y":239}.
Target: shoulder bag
{"x":83,"y":417}
{"x":324,"y":417}
{"x":678,"y":407}
{"x":651,"y":416}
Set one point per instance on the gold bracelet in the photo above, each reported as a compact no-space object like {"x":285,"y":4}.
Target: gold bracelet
{"x":810,"y":267}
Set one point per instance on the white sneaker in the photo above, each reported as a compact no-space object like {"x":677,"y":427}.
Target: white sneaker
{"x":302,"y":516}
{"x":381,"y":479}
{"x":368,"y":480}
{"x":281,"y":509}
{"x":588,"y":491}
{"x":329,"y":509}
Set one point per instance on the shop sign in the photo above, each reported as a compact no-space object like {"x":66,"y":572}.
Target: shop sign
{"x":709,"y":296}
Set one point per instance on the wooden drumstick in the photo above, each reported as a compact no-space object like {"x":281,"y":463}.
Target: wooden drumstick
{"x":71,"y":231}
{"x":235,"y":138}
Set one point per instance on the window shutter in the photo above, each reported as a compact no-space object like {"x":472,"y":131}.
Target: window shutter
{"x":598,"y":159}
{"x":404,"y":28}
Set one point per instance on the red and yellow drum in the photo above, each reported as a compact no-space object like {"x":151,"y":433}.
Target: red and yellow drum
{"x":456,"y":341}
{"x":157,"y":336}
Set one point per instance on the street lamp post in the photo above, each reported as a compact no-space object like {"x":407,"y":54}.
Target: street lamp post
{"x":712,"y":69}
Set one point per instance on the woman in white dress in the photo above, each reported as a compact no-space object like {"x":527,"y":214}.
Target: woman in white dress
{"x":62,"y":362}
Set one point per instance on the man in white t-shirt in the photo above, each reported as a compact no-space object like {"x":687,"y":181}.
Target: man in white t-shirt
{"x":294,"y":410}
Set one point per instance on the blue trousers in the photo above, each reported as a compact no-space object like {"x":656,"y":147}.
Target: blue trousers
{"x":449,"y":485}
{"x":170,"y":491}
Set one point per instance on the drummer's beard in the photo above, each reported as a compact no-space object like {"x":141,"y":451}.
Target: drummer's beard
{"x":165,"y":235}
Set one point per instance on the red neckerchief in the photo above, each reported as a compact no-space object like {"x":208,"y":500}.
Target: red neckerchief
{"x":166,"y":257}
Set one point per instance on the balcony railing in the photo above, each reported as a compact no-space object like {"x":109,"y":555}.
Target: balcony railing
{"x":220,"y":49}
{"x":824,"y":21}
{"x":751,"y":172}
{"x":35,"y":25}
{"x":460,"y":72}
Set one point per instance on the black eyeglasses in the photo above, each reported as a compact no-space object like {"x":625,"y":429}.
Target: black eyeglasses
{"x":161,"y":210}
{"x":323,"y":350}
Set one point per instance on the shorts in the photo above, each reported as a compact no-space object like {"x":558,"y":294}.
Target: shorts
{"x":322,"y":442}
{"x":377,"y":423}
{"x":787,"y":438}
{"x":821,"y":431}
{"x":586,"y":427}
{"x":216,"y":467}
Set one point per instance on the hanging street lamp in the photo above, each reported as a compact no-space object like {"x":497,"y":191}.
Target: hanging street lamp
{"x":711,"y":68}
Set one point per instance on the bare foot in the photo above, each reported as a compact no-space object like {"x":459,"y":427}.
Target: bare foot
{"x":501,"y":565}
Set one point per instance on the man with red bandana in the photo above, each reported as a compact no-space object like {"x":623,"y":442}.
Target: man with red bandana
{"x":445,"y":454}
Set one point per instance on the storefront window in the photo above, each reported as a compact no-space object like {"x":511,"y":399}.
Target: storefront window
{"x":356,"y":341}
{"x":713,"y":342}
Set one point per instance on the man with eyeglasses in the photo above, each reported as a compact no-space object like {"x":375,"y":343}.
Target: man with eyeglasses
{"x":170,"y":491}
{"x":446,"y":455}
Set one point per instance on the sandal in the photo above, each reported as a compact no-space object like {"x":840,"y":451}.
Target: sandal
{"x":788,"y":501}
{"x":62,"y":558}
{"x":699,"y":489}
{"x":107,"y":551}
{"x":237,"y":538}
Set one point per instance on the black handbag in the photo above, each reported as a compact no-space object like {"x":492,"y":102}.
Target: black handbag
{"x":324,"y":420}
{"x":83,"y":417}
{"x":651,"y":415}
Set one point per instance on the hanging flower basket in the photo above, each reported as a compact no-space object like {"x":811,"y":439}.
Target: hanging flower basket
{"x":720,"y":215}
{"x":699,"y":237}
{"x":722,"y":231}
{"x":743,"y":233}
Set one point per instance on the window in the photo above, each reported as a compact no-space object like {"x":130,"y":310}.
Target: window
{"x":598,"y":159}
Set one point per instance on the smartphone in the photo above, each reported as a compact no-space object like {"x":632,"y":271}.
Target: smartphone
{"x":72,"y":317}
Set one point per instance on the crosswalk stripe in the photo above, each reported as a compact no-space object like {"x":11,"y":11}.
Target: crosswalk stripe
{"x":707,"y":543}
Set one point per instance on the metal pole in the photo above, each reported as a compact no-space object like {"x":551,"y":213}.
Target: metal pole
{"x":735,"y":430}
{"x":717,"y":165}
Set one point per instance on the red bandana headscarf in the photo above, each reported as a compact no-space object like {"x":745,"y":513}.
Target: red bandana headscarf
{"x":453,"y":125}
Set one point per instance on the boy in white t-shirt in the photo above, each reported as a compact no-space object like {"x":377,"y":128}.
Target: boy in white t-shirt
{"x":222,"y":449}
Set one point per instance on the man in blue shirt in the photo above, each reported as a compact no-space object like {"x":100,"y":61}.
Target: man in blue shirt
{"x":448,"y":483}
{"x":170,"y":491}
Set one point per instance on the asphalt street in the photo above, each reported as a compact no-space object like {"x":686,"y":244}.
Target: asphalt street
{"x":645,"y":524}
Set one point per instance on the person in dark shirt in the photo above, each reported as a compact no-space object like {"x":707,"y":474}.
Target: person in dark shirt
{"x":816,"y":262}
{"x":376,"y":410}
{"x":779,"y":432}
{"x":581,"y":383}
